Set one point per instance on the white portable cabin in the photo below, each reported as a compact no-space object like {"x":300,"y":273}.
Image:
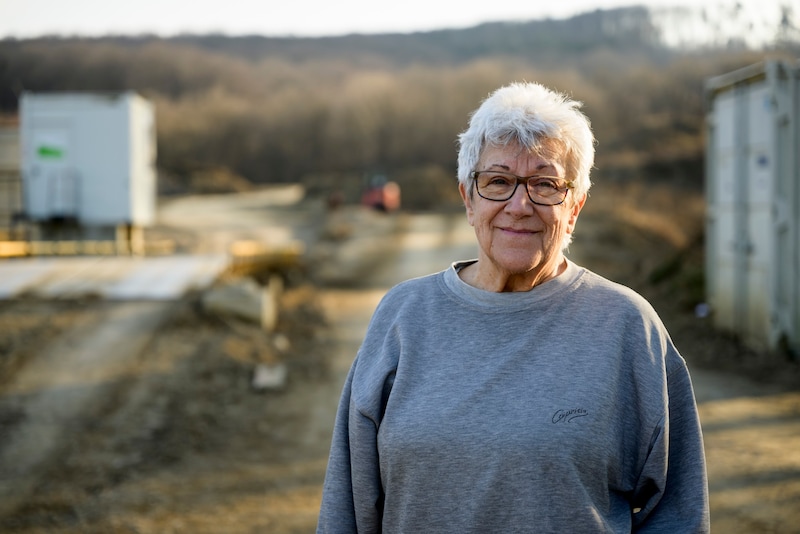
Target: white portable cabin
{"x":89,"y":158}
{"x":753,"y":204}
{"x":10,"y":186}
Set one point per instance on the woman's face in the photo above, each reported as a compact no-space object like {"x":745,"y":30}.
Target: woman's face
{"x":520,"y":243}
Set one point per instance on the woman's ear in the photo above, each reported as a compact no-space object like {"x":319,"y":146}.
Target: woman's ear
{"x":576,"y":210}
{"x":465,"y":196}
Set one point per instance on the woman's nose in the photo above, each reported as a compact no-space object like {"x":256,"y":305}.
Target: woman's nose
{"x":519,"y":201}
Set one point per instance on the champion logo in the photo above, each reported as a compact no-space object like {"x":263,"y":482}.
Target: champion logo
{"x":567,"y":416}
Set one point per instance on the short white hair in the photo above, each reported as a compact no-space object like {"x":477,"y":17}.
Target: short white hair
{"x":530,"y":115}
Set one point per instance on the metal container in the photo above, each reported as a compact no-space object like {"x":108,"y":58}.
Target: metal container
{"x":89,"y":158}
{"x":753,"y":204}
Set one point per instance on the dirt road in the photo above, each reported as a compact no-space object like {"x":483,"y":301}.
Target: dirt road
{"x":179,"y":441}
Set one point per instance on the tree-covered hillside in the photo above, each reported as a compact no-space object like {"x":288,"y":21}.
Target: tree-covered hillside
{"x":233,"y":110}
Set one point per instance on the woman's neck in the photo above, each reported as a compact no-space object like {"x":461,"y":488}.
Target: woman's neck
{"x":477,"y":275}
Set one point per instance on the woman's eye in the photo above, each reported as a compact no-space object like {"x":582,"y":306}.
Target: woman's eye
{"x":546,"y":184}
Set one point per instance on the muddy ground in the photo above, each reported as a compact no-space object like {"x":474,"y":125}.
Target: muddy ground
{"x":181,"y":441}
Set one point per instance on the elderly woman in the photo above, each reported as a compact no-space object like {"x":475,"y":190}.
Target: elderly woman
{"x":517,"y":392}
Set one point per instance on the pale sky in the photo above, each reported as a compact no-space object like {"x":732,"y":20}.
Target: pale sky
{"x":29,"y":18}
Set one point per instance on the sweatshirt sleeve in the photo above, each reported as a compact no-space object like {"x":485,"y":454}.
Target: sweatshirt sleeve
{"x":352,"y":495}
{"x":352,"y":492}
{"x":672,"y":491}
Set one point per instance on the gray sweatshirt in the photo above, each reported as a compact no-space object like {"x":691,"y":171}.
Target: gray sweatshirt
{"x":562,"y":409}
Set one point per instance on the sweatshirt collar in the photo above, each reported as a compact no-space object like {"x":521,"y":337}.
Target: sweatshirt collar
{"x":521,"y":299}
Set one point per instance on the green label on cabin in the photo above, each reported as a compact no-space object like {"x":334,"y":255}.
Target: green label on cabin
{"x":50,"y":152}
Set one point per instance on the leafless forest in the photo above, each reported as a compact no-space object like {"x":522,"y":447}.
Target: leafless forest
{"x":237,"y":111}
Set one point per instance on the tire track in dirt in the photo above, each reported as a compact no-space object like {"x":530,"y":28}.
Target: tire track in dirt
{"x":63,"y":385}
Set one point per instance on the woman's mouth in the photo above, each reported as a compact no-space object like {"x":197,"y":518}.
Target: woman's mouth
{"x":517,"y":231}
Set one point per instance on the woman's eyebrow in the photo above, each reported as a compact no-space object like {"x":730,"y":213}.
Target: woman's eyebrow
{"x":545,"y":165}
{"x":505,"y":167}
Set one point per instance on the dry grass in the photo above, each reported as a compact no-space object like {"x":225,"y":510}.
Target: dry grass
{"x":638,"y":233}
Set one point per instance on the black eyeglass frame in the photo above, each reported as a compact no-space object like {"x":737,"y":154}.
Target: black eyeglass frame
{"x":569,"y":184}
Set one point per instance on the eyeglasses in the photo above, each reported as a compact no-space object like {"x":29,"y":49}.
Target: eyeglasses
{"x":542,"y":190}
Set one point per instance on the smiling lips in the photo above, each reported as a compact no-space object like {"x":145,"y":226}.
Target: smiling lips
{"x":517,"y":230}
